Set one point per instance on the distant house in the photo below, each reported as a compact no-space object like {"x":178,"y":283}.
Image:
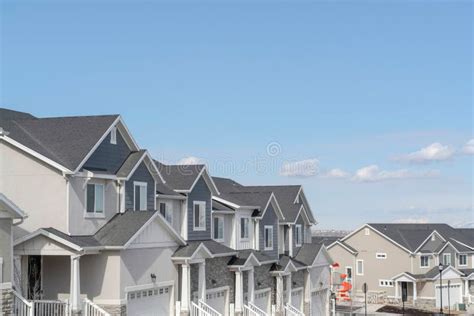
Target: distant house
{"x":389,"y":257}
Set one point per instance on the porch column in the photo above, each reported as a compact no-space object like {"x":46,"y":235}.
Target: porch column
{"x":414,"y":292}
{"x":288,"y":288}
{"x":290,"y":240}
{"x":250,"y":285}
{"x":279,"y":293}
{"x":238,"y":291}
{"x":202,"y":281}
{"x":396,"y":289}
{"x":75,"y":285}
{"x":185,"y":286}
{"x":257,"y":235}
{"x":466,"y":288}
{"x":307,"y":291}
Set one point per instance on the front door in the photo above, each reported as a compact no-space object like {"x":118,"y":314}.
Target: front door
{"x":34,"y":278}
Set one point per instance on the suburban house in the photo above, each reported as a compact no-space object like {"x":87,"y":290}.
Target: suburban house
{"x":111,"y":231}
{"x":390,"y":257}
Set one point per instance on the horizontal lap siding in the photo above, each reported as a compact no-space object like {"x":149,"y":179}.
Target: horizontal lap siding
{"x":108,"y":156}
{"x":142,"y":174}
{"x":270,"y":218}
{"x":200,"y":192}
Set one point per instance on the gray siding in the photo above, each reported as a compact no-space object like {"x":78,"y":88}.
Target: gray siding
{"x":450,"y":250}
{"x":6,"y":248}
{"x":142,"y":174}
{"x":299,"y":220}
{"x":430,"y":246}
{"x":270,"y":218}
{"x":201,"y":192}
{"x":108,"y":157}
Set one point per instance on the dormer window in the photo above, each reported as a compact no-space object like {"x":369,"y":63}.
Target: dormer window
{"x":199,"y":213}
{"x":299,"y":235}
{"x":244,"y":228}
{"x":113,"y":136}
{"x":268,"y":237}
{"x":140,"y":196}
{"x":95,"y":200}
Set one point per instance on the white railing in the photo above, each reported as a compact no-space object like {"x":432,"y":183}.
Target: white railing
{"x":21,"y":307}
{"x":244,"y":244}
{"x":92,"y":309}
{"x":209,"y":310}
{"x":196,"y":310}
{"x":290,"y":310}
{"x":252,"y":310}
{"x":50,"y":308}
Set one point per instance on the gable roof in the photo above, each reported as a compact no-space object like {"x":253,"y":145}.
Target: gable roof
{"x":10,"y":207}
{"x":64,"y":140}
{"x":182,"y":178}
{"x":213,"y":248}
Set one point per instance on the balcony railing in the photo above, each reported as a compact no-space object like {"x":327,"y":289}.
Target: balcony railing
{"x":211,"y":311}
{"x":21,"y":307}
{"x":91,"y":309}
{"x":290,"y":310}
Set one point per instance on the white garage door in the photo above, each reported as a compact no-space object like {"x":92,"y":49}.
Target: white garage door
{"x":319,"y":303}
{"x":149,"y":302}
{"x":454,"y":295}
{"x":262,"y":300}
{"x":217,"y":299}
{"x":297,"y":298}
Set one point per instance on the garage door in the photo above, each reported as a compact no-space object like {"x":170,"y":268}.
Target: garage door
{"x":297,"y":298}
{"x":217,"y":299}
{"x":454,"y":295}
{"x":262,"y":300}
{"x":319,"y":303}
{"x":149,"y":302}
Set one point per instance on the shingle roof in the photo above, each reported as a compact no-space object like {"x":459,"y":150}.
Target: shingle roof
{"x":308,"y":253}
{"x":81,"y":241}
{"x":411,"y":236}
{"x":217,"y":206}
{"x":162,"y":188}
{"x":213,"y":246}
{"x":259,"y":200}
{"x":65,"y":140}
{"x":179,"y":177}
{"x":130,"y":163}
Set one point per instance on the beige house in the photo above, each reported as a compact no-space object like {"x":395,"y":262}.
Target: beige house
{"x":390,"y":257}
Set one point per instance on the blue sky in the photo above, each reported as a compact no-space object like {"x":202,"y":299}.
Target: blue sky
{"x":339,"y":85}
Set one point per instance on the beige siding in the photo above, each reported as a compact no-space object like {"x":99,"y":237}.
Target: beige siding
{"x":397,"y":261}
{"x":417,"y":269}
{"x":35,"y":187}
{"x":79,"y":224}
{"x":344,"y":259}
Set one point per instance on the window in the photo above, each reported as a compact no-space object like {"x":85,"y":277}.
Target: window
{"x":381,"y":255}
{"x":433,"y":237}
{"x":268,"y":237}
{"x":139,"y":196}
{"x":385,"y":283}
{"x":360,"y":267}
{"x":95,"y":200}
{"x":219,"y":228}
{"x":349,"y":274}
{"x":113,"y":136}
{"x":244,"y":227}
{"x":463,"y":260}
{"x":446,"y":259}
{"x":199,"y":213}
{"x":367,"y":231}
{"x":166,"y":211}
{"x":299,"y":235}
{"x":424,"y":261}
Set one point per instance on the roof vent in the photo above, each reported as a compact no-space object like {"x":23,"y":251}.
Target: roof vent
{"x":3,"y":132}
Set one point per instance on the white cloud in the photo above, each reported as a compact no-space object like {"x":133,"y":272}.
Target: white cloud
{"x":302,"y":168}
{"x":433,"y":152}
{"x":373,"y":173}
{"x":191,"y":160}
{"x":468,"y":148}
{"x":335,"y":173}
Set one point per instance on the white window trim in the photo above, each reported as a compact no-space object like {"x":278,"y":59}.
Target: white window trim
{"x":248,"y":228}
{"x":201,"y":208}
{"x":113,"y":136}
{"x":140,"y":184}
{"x":357,"y":267}
{"x":94,"y":214}
{"x":422,"y":266}
{"x":385,"y":283}
{"x":299,"y":235}
{"x":459,"y":260}
{"x":168,"y":209}
{"x":381,"y":256}
{"x":219,"y":217}
{"x":447,"y":255}
{"x":265,"y":228}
